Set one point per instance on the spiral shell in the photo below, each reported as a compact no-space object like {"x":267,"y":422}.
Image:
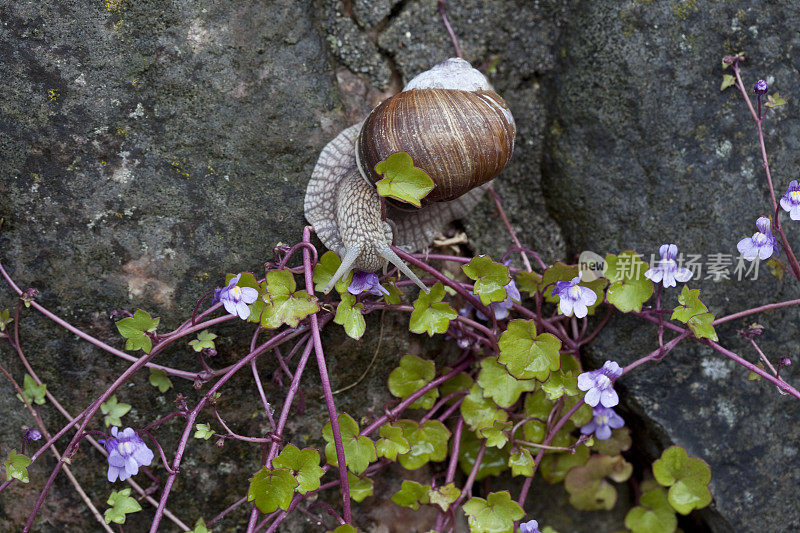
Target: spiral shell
{"x":462,"y":139}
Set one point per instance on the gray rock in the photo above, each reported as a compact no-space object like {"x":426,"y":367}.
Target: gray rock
{"x":643,"y":150}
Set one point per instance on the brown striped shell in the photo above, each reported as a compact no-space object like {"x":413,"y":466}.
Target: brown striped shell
{"x":462,"y":139}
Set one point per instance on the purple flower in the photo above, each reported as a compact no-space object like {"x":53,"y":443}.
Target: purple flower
{"x":605,"y":419}
{"x":366,"y":281}
{"x":762,"y":244}
{"x":501,"y":309}
{"x":529,"y":527}
{"x":126,"y":453}
{"x":598,"y":385}
{"x":760,"y":87}
{"x":791,"y":200}
{"x":573,"y":297}
{"x":668,"y":271}
{"x":32,"y":434}
{"x":235,"y":298}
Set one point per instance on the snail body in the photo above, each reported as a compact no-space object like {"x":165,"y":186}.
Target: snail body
{"x":452,"y":124}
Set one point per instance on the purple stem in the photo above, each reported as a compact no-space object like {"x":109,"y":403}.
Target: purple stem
{"x":326,"y":384}
{"x":449,"y":31}
{"x":499,"y":205}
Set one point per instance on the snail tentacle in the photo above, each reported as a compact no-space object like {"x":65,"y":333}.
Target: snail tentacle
{"x":387,"y":253}
{"x":350,"y":256}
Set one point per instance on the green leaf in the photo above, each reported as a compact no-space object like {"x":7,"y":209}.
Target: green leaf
{"x":444,"y":496}
{"x":285,"y":305}
{"x":135,"y":328}
{"x":5,"y":319}
{"x":501,"y":386}
{"x":629,"y":288}
{"x":304,"y":465}
{"x":496,"y":514}
{"x":689,"y":305}
{"x":349,"y":315}
{"x":412,"y":375}
{"x":702,"y":328}
{"x":554,"y":466}
{"x":687,"y":479}
{"x":460,"y":382}
{"x":526,"y":354}
{"x":205,"y":339}
{"x":495,"y":461}
{"x":324,"y":271}
{"x":395,"y":297}
{"x":479,"y":411}
{"x":360,"y":487}
{"x":620,"y":441}
{"x":113,"y":411}
{"x":345,"y":528}
{"x":272,"y":489}
{"x":560,"y":383}
{"x":121,"y":504}
{"x":17,"y":467}
{"x":203,"y":431}
{"x":200,"y":527}
{"x":727,"y":81}
{"x":490,"y":278}
{"x":654,"y":515}
{"x":427,"y":442}
{"x":775,"y":100}
{"x":412,"y":495}
{"x":529,"y":282}
{"x":693,"y":313}
{"x":431,"y":315}
{"x":536,"y":405}
{"x":496,"y":435}
{"x":402,"y":180}
{"x":392,"y":442}
{"x":159,"y":379}
{"x":521,"y":463}
{"x":588,"y":490}
{"x":359,"y":451}
{"x":32,"y":392}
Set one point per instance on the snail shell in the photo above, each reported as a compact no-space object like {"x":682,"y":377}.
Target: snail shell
{"x":454,"y":126}
{"x":462,"y":139}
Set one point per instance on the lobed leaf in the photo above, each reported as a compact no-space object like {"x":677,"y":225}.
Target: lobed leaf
{"x":17,"y":467}
{"x":496,"y":514}
{"x":113,"y":411}
{"x":349,"y":314}
{"x":304,"y":465}
{"x":490,"y":278}
{"x":412,"y":375}
{"x":272,"y":489}
{"x":121,"y":504}
{"x":430,"y":314}
{"x":158,"y":379}
{"x":687,"y":479}
{"x":402,"y":180}
{"x":629,"y":288}
{"x":526,"y":354}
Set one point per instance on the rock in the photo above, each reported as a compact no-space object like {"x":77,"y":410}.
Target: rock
{"x":643,"y":149}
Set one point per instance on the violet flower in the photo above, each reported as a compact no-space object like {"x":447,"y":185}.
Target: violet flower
{"x":235,"y":298}
{"x":599,"y":385}
{"x":573,"y":297}
{"x":529,"y":527}
{"x":790,"y":202}
{"x":126,"y":453}
{"x":762,"y":244}
{"x":605,"y":419}
{"x":667,"y":271}
{"x":366,"y":281}
{"x":32,"y":434}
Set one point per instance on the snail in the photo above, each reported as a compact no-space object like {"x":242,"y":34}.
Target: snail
{"x":454,"y":127}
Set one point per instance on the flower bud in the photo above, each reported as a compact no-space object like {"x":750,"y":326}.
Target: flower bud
{"x":760,"y":87}
{"x":785,"y":361}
